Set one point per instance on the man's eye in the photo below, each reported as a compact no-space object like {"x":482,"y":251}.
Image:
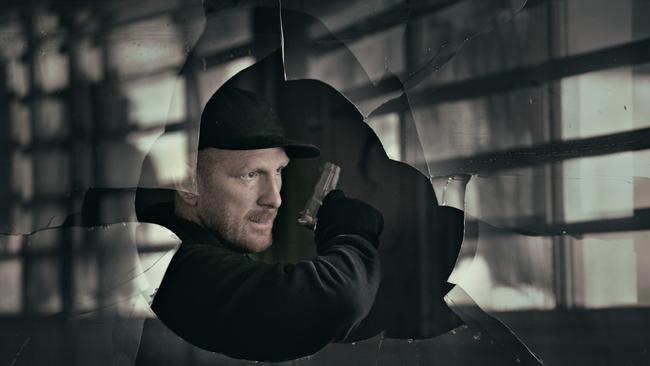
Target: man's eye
{"x":250,"y":175}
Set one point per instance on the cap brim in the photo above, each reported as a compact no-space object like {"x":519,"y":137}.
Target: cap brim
{"x":301,"y":151}
{"x":294,"y":149}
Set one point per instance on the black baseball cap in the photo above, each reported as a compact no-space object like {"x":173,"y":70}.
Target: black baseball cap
{"x":236,"y":119}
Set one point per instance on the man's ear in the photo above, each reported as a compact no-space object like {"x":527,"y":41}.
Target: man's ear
{"x":186,"y":186}
{"x":190,"y":198}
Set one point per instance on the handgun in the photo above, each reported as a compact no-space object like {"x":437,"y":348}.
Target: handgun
{"x":327,"y":182}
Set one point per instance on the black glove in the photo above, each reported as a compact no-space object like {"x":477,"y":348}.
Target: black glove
{"x":341,"y":215}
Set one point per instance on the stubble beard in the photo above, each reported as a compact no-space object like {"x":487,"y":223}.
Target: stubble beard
{"x":234,"y":230}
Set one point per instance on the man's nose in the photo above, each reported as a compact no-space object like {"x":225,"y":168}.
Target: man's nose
{"x":270,"y":194}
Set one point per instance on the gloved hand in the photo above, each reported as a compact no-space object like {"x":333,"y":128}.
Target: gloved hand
{"x":341,"y":215}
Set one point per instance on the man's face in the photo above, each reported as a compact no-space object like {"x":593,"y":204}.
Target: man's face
{"x":239,"y":194}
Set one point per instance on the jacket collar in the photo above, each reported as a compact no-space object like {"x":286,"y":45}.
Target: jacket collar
{"x":188,"y":231}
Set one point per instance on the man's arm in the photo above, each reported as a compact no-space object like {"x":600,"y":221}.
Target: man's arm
{"x":225,"y":302}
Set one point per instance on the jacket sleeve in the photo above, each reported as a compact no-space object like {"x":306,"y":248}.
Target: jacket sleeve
{"x":225,"y":302}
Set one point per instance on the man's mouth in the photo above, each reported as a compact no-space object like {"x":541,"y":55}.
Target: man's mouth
{"x":264,"y":218}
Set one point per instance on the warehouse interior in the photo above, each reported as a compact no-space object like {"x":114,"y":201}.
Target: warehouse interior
{"x":542,"y":102}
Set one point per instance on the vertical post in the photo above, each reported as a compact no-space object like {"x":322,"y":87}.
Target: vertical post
{"x":29,"y":57}
{"x":108,"y":77}
{"x":76,"y":103}
{"x":189,"y":73}
{"x":413,"y":36}
{"x":6,"y":153}
{"x":562,"y":253}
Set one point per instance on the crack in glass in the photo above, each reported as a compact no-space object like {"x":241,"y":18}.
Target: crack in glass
{"x":541,"y":104}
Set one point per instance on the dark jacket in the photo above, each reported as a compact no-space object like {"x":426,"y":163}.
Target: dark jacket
{"x":223,"y":301}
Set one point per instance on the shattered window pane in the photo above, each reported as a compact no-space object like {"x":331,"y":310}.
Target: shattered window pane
{"x":504,"y":142}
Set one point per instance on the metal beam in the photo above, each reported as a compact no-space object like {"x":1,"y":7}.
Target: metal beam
{"x":534,"y":225}
{"x":548,"y":153}
{"x":632,"y":53}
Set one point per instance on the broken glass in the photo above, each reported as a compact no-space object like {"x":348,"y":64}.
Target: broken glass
{"x":542,"y":104}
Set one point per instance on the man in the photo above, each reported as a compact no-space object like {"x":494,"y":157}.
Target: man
{"x":213,"y":294}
